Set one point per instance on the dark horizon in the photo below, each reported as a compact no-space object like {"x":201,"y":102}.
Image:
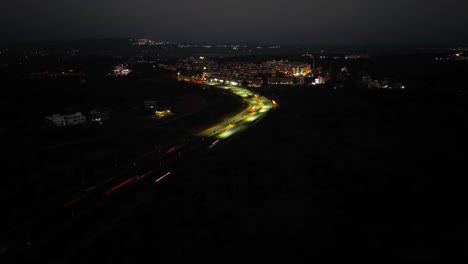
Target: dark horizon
{"x":314,"y":45}
{"x":348,"y":23}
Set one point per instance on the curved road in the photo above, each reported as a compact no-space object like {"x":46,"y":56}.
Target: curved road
{"x":257,"y":107}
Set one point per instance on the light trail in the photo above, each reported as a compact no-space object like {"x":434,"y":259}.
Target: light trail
{"x":257,"y":107}
{"x":71,"y":202}
{"x":91,"y":188}
{"x":218,"y":127}
{"x":118,"y":186}
{"x":3,"y":250}
{"x":110,"y":179}
{"x":162,"y":177}
{"x":231,"y":131}
{"x":214,"y":143}
{"x":171,"y":150}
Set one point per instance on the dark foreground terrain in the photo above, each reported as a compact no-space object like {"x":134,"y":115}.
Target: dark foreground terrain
{"x":327,"y":176}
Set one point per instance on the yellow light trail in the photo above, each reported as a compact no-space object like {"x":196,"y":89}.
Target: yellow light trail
{"x":257,"y":106}
{"x":209,"y":131}
{"x":306,"y":73}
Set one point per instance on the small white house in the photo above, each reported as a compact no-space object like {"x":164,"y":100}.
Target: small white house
{"x":56,"y":119}
{"x":75,"y":119}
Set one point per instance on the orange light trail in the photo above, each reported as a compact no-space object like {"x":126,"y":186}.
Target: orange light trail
{"x":118,"y":186}
{"x":170,"y":150}
{"x":206,"y":131}
{"x":71,"y":202}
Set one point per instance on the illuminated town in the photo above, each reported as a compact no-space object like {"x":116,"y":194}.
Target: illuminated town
{"x":249,"y":74}
{"x":233,"y":131}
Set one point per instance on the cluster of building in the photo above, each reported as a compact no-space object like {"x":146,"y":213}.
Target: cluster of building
{"x":68,"y":73}
{"x":233,"y":46}
{"x":245,"y":73}
{"x":287,"y":68}
{"x":461,"y":56}
{"x":356,"y":56}
{"x":66,"y":120}
{"x":121,"y":70}
{"x":78,"y":118}
{"x":337,"y":57}
{"x":141,"y":42}
{"x":371,"y":84}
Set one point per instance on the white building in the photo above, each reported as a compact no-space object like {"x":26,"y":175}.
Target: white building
{"x":319,"y":80}
{"x":121,"y":70}
{"x":99,"y":115}
{"x":75,"y":119}
{"x":56,"y":119}
{"x":299,"y":69}
{"x":374,"y":85}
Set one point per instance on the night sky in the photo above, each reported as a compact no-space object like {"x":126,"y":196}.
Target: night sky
{"x":336,"y":22}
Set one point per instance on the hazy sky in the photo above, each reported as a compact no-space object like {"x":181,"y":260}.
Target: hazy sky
{"x":293,"y":21}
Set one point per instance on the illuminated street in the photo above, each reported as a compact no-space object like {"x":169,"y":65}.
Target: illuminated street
{"x":257,"y":107}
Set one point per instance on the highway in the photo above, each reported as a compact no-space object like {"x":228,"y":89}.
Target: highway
{"x":257,"y":107}
{"x":84,"y":215}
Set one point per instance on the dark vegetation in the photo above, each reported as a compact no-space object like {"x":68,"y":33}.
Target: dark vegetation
{"x":44,"y":166}
{"x":331,"y":175}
